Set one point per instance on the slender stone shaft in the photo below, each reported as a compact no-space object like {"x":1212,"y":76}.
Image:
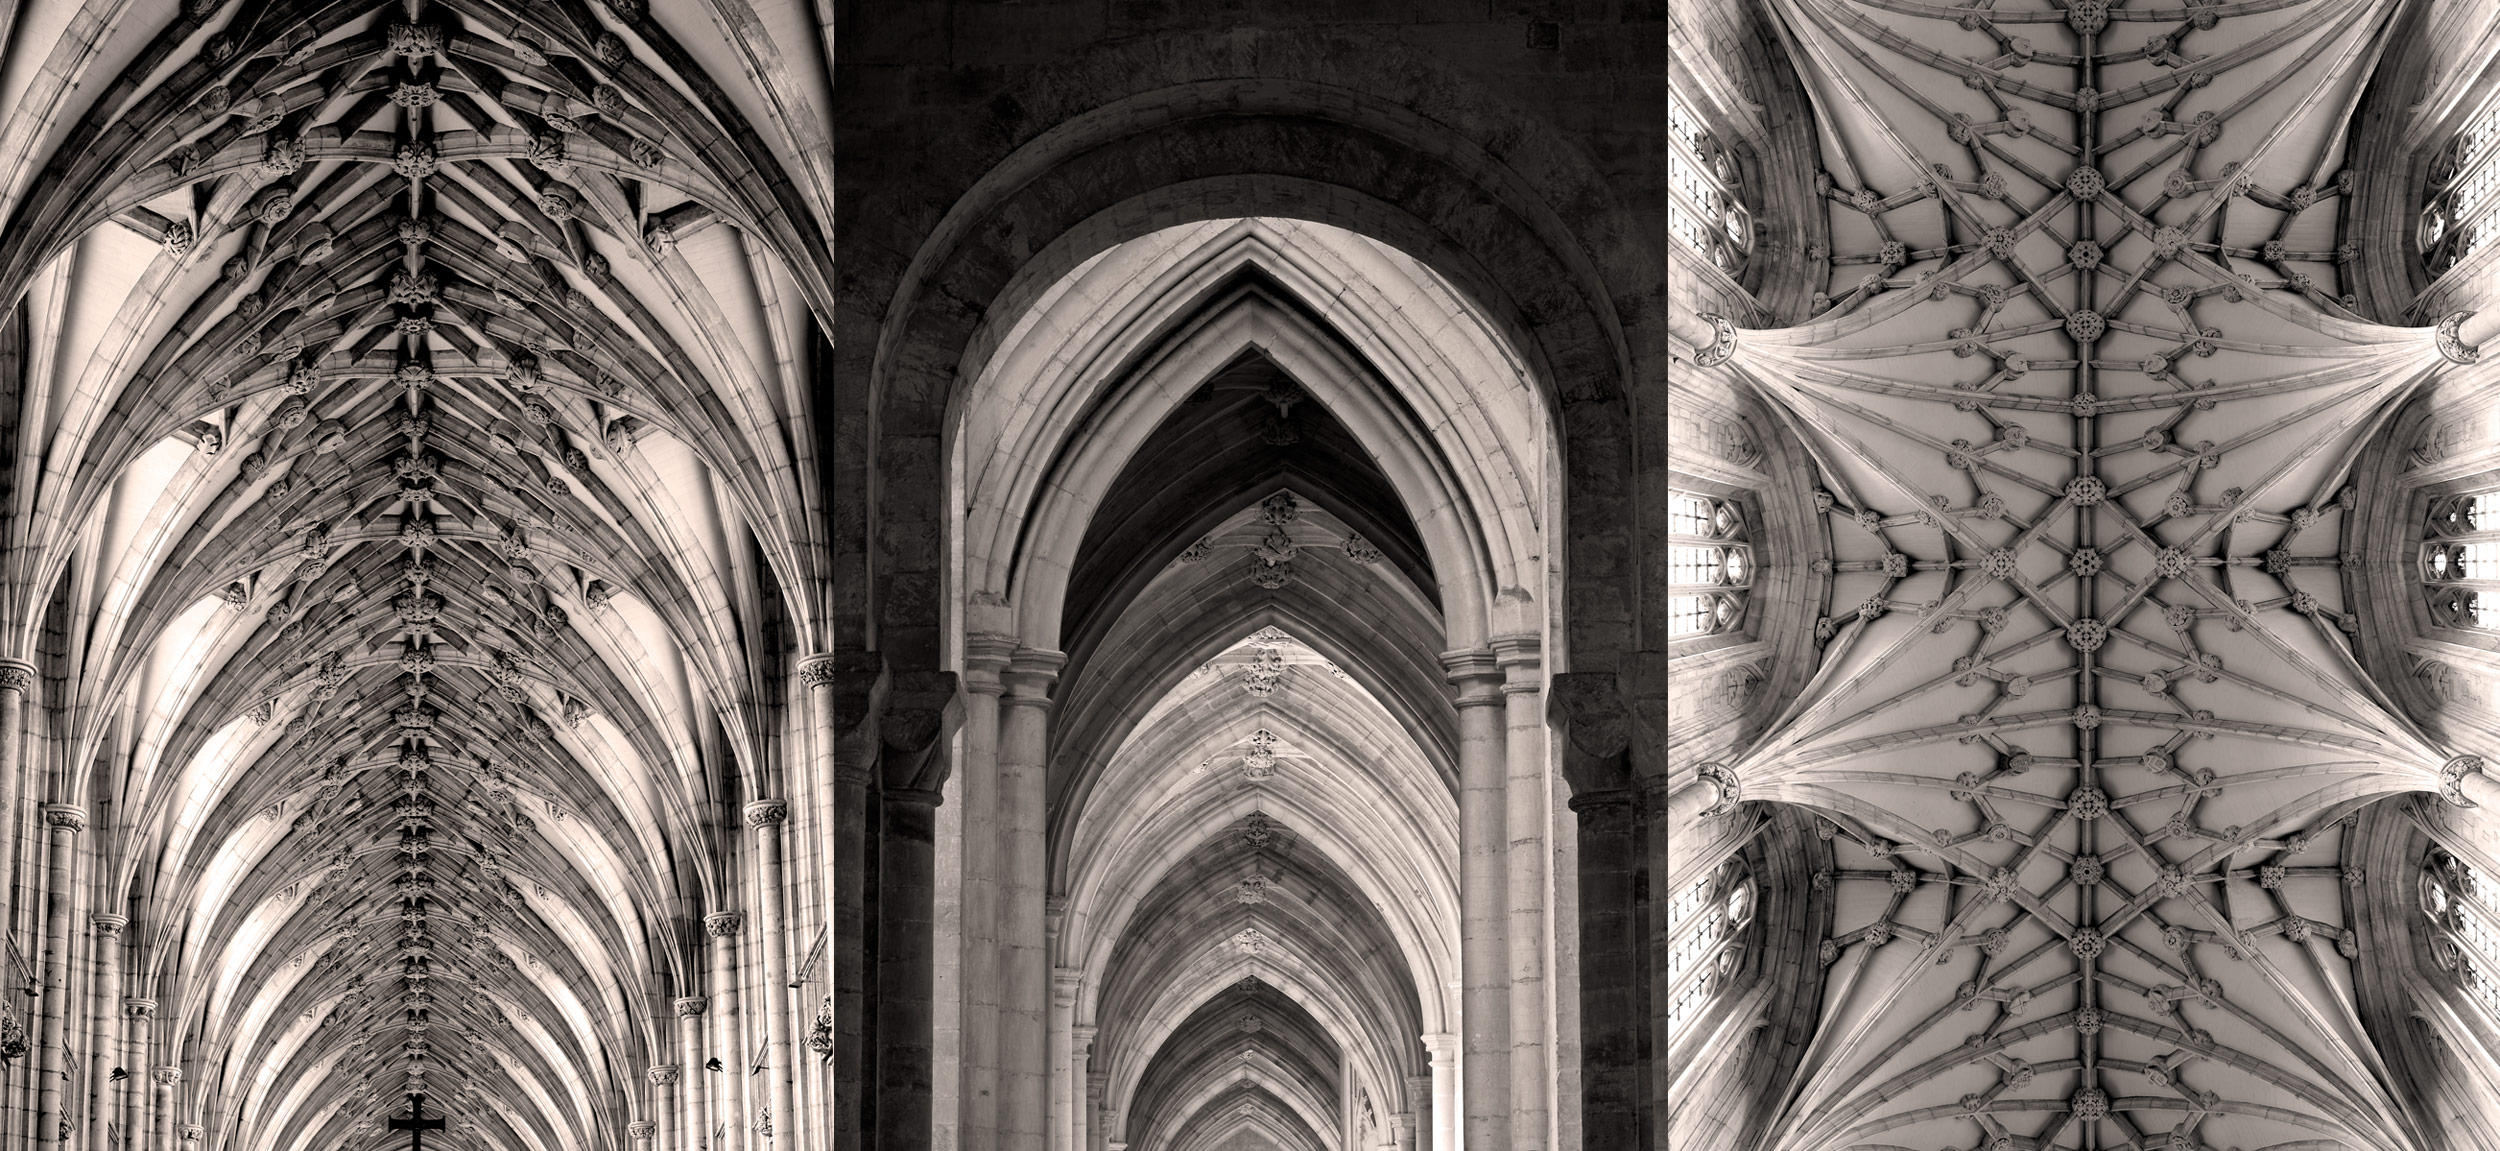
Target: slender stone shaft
{"x":696,"y":1085}
{"x":166,"y":1079}
{"x":764,"y":820}
{"x":1445,"y":1116}
{"x":136,"y":1016}
{"x":1484,"y":894}
{"x":665,"y":1080}
{"x":1526,"y":818}
{"x":985,"y":656}
{"x":729,"y":1102}
{"x":1064,"y":983}
{"x":1024,"y":956}
{"x":1418,"y":1117}
{"x":105,"y":1026}
{"x":60,"y":873}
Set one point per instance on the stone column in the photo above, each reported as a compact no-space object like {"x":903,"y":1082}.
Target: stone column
{"x":764,"y":820}
{"x":1418,"y":1117}
{"x":1064,"y":982}
{"x":1445,"y":1117}
{"x":136,"y":1014}
{"x":694,"y":1095}
{"x":1525,"y":822}
{"x":1483,"y":894}
{"x":672,"y":1116}
{"x":1023,"y":948}
{"x":985,"y":656}
{"x":728,"y":1026}
{"x":17,"y":683}
{"x":166,"y":1078}
{"x":641,"y":1131}
{"x":66,"y":821}
{"x":1082,"y":1085}
{"x":858,"y":691}
{"x":1614,"y":993}
{"x":105,"y":1023}
{"x":816,"y":793}
{"x":919,"y":710}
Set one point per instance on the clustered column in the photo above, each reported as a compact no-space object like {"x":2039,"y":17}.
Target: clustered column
{"x":664,"y":1104}
{"x":65,"y":821}
{"x":105,"y":1022}
{"x":728,"y":1099}
{"x":693,"y":1098}
{"x":764,"y":819}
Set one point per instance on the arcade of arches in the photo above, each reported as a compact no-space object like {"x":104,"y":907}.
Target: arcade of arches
{"x":733,"y":575}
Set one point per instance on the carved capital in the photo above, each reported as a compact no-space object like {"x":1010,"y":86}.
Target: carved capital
{"x":663,"y":1074}
{"x":1731,"y":792}
{"x":818,"y":671}
{"x":17,"y":675}
{"x":1478,"y":674}
{"x":1722,"y":345}
{"x":724,"y":924}
{"x":167,"y":1076}
{"x":2450,"y":339}
{"x":65,"y":815}
{"x":108,"y":926}
{"x":767,"y":813}
{"x":690,"y":1006}
{"x":1030,"y":674}
{"x":2452,"y":778}
{"x":139,"y":1008}
{"x":641,"y":1129}
{"x":1596,"y":731}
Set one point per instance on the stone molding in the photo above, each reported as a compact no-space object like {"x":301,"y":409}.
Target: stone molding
{"x":724,"y":925}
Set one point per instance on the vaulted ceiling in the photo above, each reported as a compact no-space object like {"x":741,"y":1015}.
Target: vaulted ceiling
{"x":2082,"y":393}
{"x":411,"y":500}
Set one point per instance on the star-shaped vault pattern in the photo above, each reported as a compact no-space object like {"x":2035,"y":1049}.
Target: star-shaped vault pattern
{"x":2082,"y":394}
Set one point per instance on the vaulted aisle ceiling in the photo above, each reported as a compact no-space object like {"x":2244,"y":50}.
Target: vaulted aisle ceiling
{"x":413,"y":515}
{"x":2083,"y":391}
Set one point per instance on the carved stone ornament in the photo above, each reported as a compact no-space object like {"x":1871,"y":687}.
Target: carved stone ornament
{"x":724,"y":924}
{"x":1724,"y":781}
{"x":690,"y":1006}
{"x":767,"y":813}
{"x":1250,"y":941}
{"x":2449,"y":339}
{"x":1722,"y":341}
{"x":2452,"y":778}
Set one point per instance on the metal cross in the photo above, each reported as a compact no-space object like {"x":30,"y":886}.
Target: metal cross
{"x":416,"y":1124}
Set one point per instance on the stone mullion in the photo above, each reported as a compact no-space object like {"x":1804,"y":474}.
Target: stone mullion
{"x":764,"y":820}
{"x":1484,"y":902}
{"x":65,"y":822}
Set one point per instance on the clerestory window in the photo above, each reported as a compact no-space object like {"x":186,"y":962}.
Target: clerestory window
{"x":1709,"y":565}
{"x":2461,"y":560}
{"x":1705,"y":933}
{"x":2459,"y":216}
{"x":1705,"y":209}
{"x":2461,"y":900}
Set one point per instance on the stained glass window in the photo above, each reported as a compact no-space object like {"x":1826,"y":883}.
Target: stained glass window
{"x":2460,"y":899}
{"x":1709,"y":565}
{"x":1704,"y":209}
{"x":1705,"y":934}
{"x":2459,"y":216}
{"x":2461,"y":560}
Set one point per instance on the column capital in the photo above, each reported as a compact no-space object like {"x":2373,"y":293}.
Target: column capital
{"x":663,"y":1074}
{"x":65,"y":815}
{"x":108,"y":925}
{"x":167,"y":1076}
{"x":1443,"y":1048}
{"x":1081,"y":1038}
{"x":1478,"y":673}
{"x":16,"y":675}
{"x":986,"y":655}
{"x":1064,"y":981}
{"x":2454,"y":777}
{"x":191,"y":1132}
{"x":690,"y":1005}
{"x":1029,"y":675}
{"x":138,"y":1008}
{"x":817,"y":671}
{"x":642,"y":1129}
{"x":764,"y":813}
{"x":724,"y":924}
{"x":1521,"y":648}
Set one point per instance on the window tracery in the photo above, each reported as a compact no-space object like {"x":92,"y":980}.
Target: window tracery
{"x":1710,"y":564}
{"x":2460,"y":899}
{"x":2461,"y":560}
{"x":1706,"y":924}
{"x":1706,"y":210}
{"x":2462,"y":212}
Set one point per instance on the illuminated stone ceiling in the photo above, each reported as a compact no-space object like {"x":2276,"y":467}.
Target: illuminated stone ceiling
{"x":410,"y":475}
{"x":2084,"y":389}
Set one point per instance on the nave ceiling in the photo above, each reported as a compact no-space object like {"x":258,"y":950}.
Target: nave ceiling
{"x":2083,"y":394}
{"x":409,"y":503}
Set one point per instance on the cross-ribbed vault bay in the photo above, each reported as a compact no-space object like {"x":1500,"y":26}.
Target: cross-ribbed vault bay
{"x":414,"y":544}
{"x":2083,"y":694}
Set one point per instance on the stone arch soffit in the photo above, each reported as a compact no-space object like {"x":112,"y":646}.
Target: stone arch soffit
{"x":1326,"y":1001}
{"x":1214,"y":1109}
{"x":1122,"y":314}
{"x":1098,"y":451}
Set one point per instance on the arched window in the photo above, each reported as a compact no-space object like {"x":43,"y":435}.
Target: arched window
{"x":2459,"y":215}
{"x":1705,"y":210}
{"x":1705,"y":939}
{"x":2461,"y":559}
{"x":1709,"y":566}
{"x":2460,"y":899}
